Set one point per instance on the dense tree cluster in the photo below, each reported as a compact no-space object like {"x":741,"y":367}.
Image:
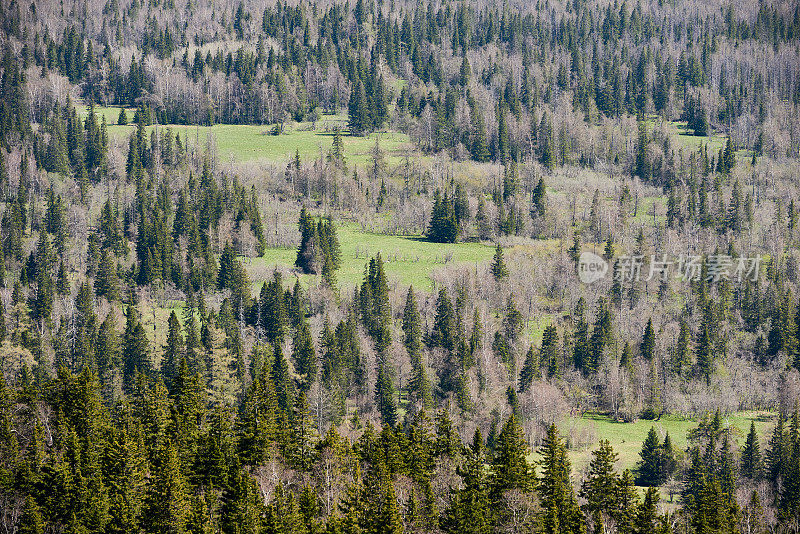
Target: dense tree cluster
{"x":158,"y":373}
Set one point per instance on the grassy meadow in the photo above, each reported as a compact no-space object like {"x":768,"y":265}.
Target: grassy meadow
{"x":246,"y":143}
{"x":410,"y":260}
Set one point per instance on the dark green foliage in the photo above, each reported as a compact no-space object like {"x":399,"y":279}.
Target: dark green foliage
{"x":358,"y":110}
{"x":385,"y":396}
{"x":559,"y":509}
{"x":601,"y":484}
{"x":539,"y":199}
{"x":444,"y":227}
{"x":374,"y":303}
{"x":174,"y":351}
{"x":304,"y":355}
{"x":136,"y":350}
{"x":648,"y":341}
{"x":751,"y":465}
{"x":499,"y":269}
{"x":319,"y":247}
{"x":649,"y":467}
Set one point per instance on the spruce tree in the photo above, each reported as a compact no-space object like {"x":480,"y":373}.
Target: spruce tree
{"x":304,"y":356}
{"x":510,"y":465}
{"x":385,"y":396}
{"x":648,"y":341}
{"x":358,"y":110}
{"x":559,"y":509}
{"x":751,"y":455}
{"x":529,"y":369}
{"x":174,"y":351}
{"x":499,"y":269}
{"x":30,"y":521}
{"x":136,"y":352}
{"x":648,"y":469}
{"x":599,"y":488}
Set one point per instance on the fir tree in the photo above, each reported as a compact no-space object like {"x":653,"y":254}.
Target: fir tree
{"x":600,"y":485}
{"x":751,"y":455}
{"x":304,"y":356}
{"x":648,"y":341}
{"x":385,"y":396}
{"x":499,"y":269}
{"x":560,"y":512}
{"x":174,"y":351}
{"x":649,"y":467}
{"x":358,"y":110}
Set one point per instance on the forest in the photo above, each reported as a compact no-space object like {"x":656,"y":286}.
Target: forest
{"x":394,"y":266}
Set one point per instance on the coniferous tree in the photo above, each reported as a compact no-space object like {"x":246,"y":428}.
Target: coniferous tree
{"x":560,"y":512}
{"x":530,"y":369}
{"x":304,"y":356}
{"x":599,"y":488}
{"x":168,"y":505}
{"x":649,"y":468}
{"x":539,"y":199}
{"x":136,"y":351}
{"x":648,"y":341}
{"x":443,"y":226}
{"x":510,"y":465}
{"x":385,"y":396}
{"x":107,"y":283}
{"x":499,"y":269}
{"x":751,"y":455}
{"x":284,"y":389}
{"x":30,"y":521}
{"x":174,"y":351}
{"x":358,"y":110}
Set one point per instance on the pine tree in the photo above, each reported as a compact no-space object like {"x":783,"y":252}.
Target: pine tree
{"x":107,"y":283}
{"x":648,"y":469}
{"x":443,"y":227}
{"x":30,"y":521}
{"x":284,"y":390}
{"x":412,"y":324}
{"x":510,"y":465}
{"x":499,"y":269}
{"x":470,"y":510}
{"x":385,"y":396}
{"x":600,"y":485}
{"x":560,"y":512}
{"x":647,"y":514}
{"x":390,"y":520}
{"x":304,"y":356}
{"x":539,"y":199}
{"x":751,"y":455}
{"x":168,"y":505}
{"x":548,"y":355}
{"x":648,"y":341}
{"x":135,"y":355}
{"x":530,"y":369}
{"x":122,"y":118}
{"x":174,"y":351}
{"x":358,"y":110}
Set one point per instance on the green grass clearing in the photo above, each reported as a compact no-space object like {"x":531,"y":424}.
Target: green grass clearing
{"x":409,"y":260}
{"x":243,"y":143}
{"x":627,"y":438}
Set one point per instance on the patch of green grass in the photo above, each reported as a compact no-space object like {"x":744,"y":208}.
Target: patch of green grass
{"x":686,"y":137}
{"x":243,"y":143}
{"x":409,"y":260}
{"x":627,"y":438}
{"x":110,"y":113}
